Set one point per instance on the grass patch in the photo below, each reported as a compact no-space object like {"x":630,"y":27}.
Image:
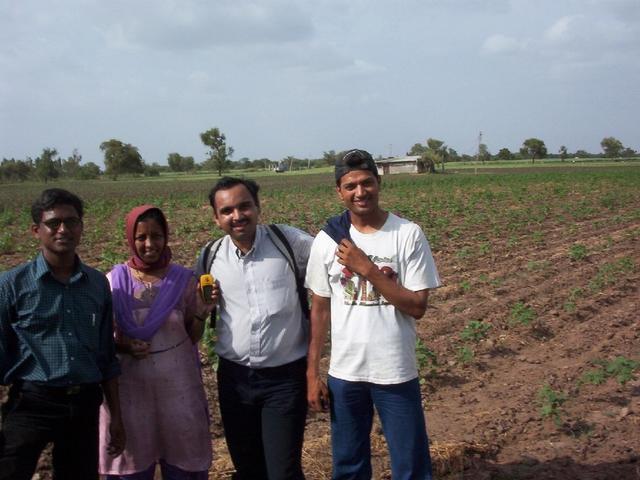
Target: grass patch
{"x":577,"y":252}
{"x":522,"y":314}
{"x":620,"y":368}
{"x":551,"y":402}
{"x":426,"y":359}
{"x":611,"y":273}
{"x":475,"y":331}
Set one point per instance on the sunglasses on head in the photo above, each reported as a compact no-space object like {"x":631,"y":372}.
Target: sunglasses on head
{"x":70,"y":222}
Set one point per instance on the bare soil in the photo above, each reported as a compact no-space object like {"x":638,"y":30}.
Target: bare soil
{"x":484,"y":417}
{"x":484,"y":414}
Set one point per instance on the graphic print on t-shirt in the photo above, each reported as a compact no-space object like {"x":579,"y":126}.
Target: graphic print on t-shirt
{"x":359,"y":291}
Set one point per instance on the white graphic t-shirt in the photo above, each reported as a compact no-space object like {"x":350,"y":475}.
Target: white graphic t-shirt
{"x":371,"y":340}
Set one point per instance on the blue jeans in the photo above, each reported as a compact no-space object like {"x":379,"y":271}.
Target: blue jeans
{"x":400,"y":409}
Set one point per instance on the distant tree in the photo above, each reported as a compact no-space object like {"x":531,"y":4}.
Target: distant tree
{"x":263,"y":163}
{"x":534,"y":148}
{"x":244,"y":163}
{"x":583,"y":154}
{"x":71,"y":165}
{"x":219,"y":153}
{"x":563,"y":153}
{"x":188,"y":164}
{"x":178,"y":163}
{"x":437,"y":151}
{"x":89,"y":171}
{"x":152,"y":170}
{"x":452,"y":155}
{"x":12,"y":170}
{"x":433,"y":153}
{"x":611,"y":147}
{"x":417,"y":149}
{"x":121,"y":158}
{"x":330,"y":157}
{"x":291,"y":163}
{"x":484,"y":154}
{"x":47,"y":166}
{"x":504,"y":154}
{"x":174,"y":160}
{"x":628,"y":153}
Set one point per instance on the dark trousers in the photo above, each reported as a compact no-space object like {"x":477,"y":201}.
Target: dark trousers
{"x":263,"y":414}
{"x":34,"y":416}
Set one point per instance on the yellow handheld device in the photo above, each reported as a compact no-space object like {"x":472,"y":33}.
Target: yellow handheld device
{"x":206,"y":287}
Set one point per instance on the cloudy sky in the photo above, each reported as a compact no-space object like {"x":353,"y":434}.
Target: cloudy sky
{"x":286,"y":77}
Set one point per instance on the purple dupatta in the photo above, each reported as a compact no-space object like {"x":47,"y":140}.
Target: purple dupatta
{"x":171,"y":290}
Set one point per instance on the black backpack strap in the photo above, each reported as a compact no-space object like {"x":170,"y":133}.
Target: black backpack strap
{"x":207,"y":256}
{"x":279,"y":239}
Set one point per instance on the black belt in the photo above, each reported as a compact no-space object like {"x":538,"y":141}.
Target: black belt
{"x":27,"y":386}
{"x":286,"y":369}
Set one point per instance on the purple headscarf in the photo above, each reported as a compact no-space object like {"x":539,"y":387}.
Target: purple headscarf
{"x":171,"y":289}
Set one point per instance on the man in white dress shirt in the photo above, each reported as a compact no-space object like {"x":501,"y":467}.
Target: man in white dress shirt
{"x":262,"y":336}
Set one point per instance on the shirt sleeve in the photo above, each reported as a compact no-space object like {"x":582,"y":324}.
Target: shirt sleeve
{"x":7,"y":335}
{"x":300,"y":242}
{"x":197,"y":268}
{"x":420,"y":271}
{"x":317,"y":278}
{"x":108,"y":362}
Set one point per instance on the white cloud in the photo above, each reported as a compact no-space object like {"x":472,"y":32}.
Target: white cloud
{"x":561,"y":29}
{"x":197,"y":24}
{"x":503,"y":44}
{"x":75,"y":72}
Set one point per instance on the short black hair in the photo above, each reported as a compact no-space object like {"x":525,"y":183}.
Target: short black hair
{"x":225,"y":183}
{"x":52,"y":197}
{"x":157,"y":215}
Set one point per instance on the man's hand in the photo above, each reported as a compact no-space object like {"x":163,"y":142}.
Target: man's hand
{"x":117,"y":438}
{"x":353,"y":258}
{"x":203,"y":308}
{"x":317,"y":395}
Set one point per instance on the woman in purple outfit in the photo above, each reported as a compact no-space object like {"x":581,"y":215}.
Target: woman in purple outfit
{"x":159,"y":318}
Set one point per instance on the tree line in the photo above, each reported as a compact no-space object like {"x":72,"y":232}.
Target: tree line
{"x":124,"y":158}
{"x":436,"y":153}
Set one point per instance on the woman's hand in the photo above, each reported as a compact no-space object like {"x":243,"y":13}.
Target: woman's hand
{"x":139,"y":349}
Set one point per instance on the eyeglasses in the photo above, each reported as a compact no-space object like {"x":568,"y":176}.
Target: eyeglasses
{"x":69,"y":222}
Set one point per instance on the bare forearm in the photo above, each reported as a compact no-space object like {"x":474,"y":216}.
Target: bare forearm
{"x":407,"y":301}
{"x":111,"y":395}
{"x":117,"y":435}
{"x":320,"y":320}
{"x":196,"y":328}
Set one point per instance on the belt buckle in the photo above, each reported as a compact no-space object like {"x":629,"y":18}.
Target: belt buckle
{"x":73,"y":390}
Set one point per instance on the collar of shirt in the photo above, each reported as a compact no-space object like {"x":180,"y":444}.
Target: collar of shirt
{"x":256,"y":241}
{"x":42,"y":268}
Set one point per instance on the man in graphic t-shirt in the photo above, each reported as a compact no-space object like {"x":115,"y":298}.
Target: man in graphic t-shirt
{"x":370,"y":272}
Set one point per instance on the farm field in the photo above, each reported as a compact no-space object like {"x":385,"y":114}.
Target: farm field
{"x":529,"y":352}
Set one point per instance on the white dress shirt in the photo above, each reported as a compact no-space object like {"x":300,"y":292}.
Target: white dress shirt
{"x":260,"y":320}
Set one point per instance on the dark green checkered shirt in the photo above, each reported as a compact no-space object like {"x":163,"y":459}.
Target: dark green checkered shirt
{"x":56,"y":333}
